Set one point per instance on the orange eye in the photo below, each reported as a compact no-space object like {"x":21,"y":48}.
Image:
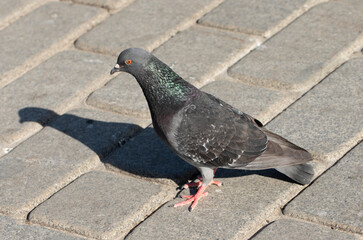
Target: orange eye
{"x":128,"y":62}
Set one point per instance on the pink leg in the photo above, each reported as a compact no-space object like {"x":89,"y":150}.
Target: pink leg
{"x":198,"y":184}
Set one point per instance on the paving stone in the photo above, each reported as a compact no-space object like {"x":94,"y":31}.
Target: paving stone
{"x":12,"y":230}
{"x":101,"y":205}
{"x":292,"y":229}
{"x":63,"y":150}
{"x":55,"y":85}
{"x":327,"y":120}
{"x":336,"y":198}
{"x":11,"y":10}
{"x":42,"y":33}
{"x":253,"y":17}
{"x":200,"y":53}
{"x":258,"y":102}
{"x":307,"y":50}
{"x":147,"y":156}
{"x":244,"y":202}
{"x":145,"y":24}
{"x":122,"y":95}
{"x":108,"y":4}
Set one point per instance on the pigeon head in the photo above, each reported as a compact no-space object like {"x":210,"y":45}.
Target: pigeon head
{"x":163,"y":88}
{"x":131,"y":60}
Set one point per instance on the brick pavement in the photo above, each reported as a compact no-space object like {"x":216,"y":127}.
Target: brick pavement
{"x":80,"y":160}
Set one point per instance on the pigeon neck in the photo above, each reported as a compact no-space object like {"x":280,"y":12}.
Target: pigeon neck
{"x":165,"y":91}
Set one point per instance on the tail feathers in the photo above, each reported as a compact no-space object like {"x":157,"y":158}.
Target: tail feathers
{"x":301,"y":173}
{"x":280,"y":152}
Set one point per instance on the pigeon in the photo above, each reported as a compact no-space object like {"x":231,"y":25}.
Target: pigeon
{"x":205,"y":131}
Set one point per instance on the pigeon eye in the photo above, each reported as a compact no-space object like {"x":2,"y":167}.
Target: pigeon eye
{"x":128,"y":62}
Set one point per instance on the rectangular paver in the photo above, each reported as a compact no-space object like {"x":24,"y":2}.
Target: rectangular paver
{"x":145,"y":24}
{"x":199,"y":53}
{"x":254,"y":17}
{"x":11,"y":10}
{"x":41,"y":33}
{"x":327,"y":121}
{"x":55,"y":85}
{"x":13,"y":230}
{"x":335,"y":198}
{"x":101,"y":205}
{"x":287,"y":229}
{"x":244,"y":201}
{"x":63,"y":150}
{"x":305,"y":51}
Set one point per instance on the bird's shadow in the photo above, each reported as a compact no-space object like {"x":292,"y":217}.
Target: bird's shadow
{"x":113,"y":142}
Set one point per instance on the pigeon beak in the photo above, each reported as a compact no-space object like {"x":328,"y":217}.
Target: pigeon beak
{"x":116,"y":68}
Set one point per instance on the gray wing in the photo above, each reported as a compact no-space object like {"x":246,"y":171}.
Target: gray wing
{"x":212,"y":133}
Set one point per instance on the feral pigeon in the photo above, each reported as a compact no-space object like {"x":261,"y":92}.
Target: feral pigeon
{"x":205,"y":131}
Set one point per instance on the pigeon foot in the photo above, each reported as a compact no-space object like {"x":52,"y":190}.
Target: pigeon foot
{"x":193,"y":198}
{"x":200,"y":193}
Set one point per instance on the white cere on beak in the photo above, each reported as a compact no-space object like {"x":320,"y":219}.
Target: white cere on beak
{"x":117,"y":66}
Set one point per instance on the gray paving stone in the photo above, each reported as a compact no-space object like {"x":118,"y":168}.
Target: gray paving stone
{"x":101,"y":205}
{"x":108,"y":4}
{"x":145,"y":24}
{"x":252,"y":17}
{"x":200,"y":53}
{"x":13,"y":230}
{"x":328,"y":119}
{"x":307,"y":50}
{"x":38,"y":35}
{"x":336,"y":198}
{"x":147,"y":156}
{"x":244,"y":202}
{"x":63,"y":150}
{"x":292,"y":229}
{"x":258,"y":102}
{"x":122,"y":95}
{"x":56,"y":85}
{"x":11,"y":10}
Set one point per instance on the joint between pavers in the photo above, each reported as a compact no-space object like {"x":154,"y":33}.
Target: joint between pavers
{"x":160,"y":181}
{"x":326,"y":222}
{"x":24,"y":211}
{"x":272,"y":211}
{"x":291,"y":18}
{"x":55,"y":48}
{"x":21,"y":12}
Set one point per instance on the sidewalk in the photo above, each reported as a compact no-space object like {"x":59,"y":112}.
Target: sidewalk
{"x":79,"y":158}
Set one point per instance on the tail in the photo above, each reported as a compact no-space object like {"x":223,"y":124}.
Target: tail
{"x":286,"y":158}
{"x":301,"y":173}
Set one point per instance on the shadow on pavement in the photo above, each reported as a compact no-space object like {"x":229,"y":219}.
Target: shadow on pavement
{"x":113,"y":142}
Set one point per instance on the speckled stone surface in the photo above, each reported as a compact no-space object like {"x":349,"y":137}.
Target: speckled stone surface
{"x":340,"y":206}
{"x":287,"y":229}
{"x":306,"y":50}
{"x":100,"y":205}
